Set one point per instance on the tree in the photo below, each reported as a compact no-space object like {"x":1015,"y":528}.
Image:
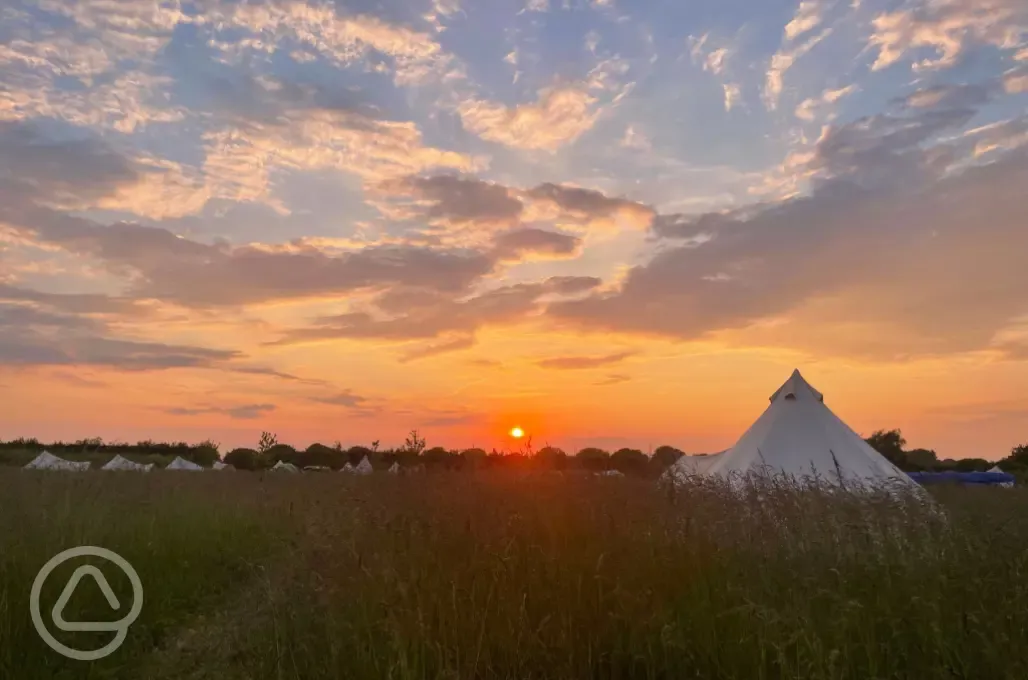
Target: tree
{"x":355,"y":454}
{"x":414,"y":443}
{"x":280,"y":452}
{"x":474,"y":458}
{"x":243,"y":459}
{"x":437,"y":456}
{"x":890,"y":444}
{"x":922,"y":459}
{"x":629,"y":461}
{"x":319,"y":454}
{"x":972,"y":465}
{"x":205,"y":454}
{"x":591,"y":458}
{"x":666,"y":456}
{"x":266,"y":441}
{"x":552,"y":458}
{"x":1019,"y":455}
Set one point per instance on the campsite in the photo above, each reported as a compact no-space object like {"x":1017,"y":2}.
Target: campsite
{"x":538,"y":571}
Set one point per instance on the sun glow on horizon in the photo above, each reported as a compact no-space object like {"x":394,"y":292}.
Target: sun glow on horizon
{"x":517,"y":432}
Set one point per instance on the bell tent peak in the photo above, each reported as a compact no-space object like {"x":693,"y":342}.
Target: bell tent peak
{"x":796,"y":387}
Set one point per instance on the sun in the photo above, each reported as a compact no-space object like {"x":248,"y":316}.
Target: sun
{"x":517,"y":432}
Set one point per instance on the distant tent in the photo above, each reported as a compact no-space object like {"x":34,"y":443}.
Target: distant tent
{"x":799,"y":437}
{"x":989,"y":478}
{"x":182,"y":464}
{"x":689,"y":466}
{"x":218,"y":465}
{"x":364,"y":467}
{"x":48,"y":461}
{"x":282,"y":466}
{"x":610,"y":473}
{"x":394,"y":469}
{"x":120,"y":463}
{"x":995,"y":468}
{"x":317,"y":468}
{"x":347,"y":468}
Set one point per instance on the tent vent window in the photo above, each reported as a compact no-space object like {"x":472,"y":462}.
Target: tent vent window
{"x":791,"y":396}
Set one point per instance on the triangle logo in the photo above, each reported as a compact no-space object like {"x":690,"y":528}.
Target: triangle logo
{"x":69,"y":590}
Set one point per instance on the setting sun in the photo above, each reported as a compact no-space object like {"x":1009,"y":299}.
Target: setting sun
{"x":517,"y":432}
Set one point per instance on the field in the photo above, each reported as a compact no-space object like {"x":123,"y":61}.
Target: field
{"x":510,"y":575}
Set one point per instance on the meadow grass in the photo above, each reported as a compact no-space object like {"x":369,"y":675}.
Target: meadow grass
{"x":511,"y":575}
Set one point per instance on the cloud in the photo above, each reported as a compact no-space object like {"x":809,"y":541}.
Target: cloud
{"x":519,"y":243}
{"x":347,"y":39}
{"x":858,"y":268}
{"x":582,"y":363}
{"x":1015,"y":81}
{"x":783,"y":60}
{"x":402,"y":315}
{"x":74,"y":303}
{"x":433,"y":350}
{"x":709,"y":58}
{"x":81,"y":171}
{"x":809,"y":16}
{"x":164,"y":266}
{"x":241,"y":412}
{"x":32,"y":337}
{"x":591,"y":205}
{"x":346,"y":399}
{"x":809,"y":109}
{"x":449,"y":200}
{"x":558,"y":117}
{"x":634,"y":139}
{"x":948,"y":27}
{"x":613,"y":379}
{"x":732,"y":95}
{"x":239,"y":160}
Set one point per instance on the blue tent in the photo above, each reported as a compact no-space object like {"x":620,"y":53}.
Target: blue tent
{"x":972,"y":478}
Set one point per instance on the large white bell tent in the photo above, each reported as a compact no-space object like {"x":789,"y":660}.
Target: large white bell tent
{"x":689,"y":466}
{"x":124,"y":464}
{"x":798,"y":437}
{"x":48,"y":461}
{"x":182,"y":464}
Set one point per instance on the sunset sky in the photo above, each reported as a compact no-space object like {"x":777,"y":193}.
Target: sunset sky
{"x":611,"y":223}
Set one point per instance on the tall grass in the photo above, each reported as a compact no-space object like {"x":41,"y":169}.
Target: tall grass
{"x":509,"y":575}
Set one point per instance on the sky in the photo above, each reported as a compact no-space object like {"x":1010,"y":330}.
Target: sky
{"x":610,"y":223}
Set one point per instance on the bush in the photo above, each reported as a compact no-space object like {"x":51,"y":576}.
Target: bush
{"x":280,"y":452}
{"x":594,"y":459}
{"x":319,"y":454}
{"x":243,"y":459}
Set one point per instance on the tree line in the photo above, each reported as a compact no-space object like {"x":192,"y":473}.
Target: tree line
{"x":891,"y":444}
{"x":415,"y":452}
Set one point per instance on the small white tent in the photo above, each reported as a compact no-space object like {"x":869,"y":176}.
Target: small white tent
{"x":996,"y":468}
{"x":799,"y":437}
{"x":347,"y":468}
{"x":48,"y":461}
{"x":282,"y":466}
{"x":689,"y":466}
{"x":364,"y":467}
{"x":120,"y":463}
{"x":394,"y":469}
{"x":610,"y":473}
{"x":218,"y":465}
{"x":182,"y":464}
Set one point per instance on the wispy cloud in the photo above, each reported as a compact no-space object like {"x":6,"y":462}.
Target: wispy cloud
{"x":583,"y":363}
